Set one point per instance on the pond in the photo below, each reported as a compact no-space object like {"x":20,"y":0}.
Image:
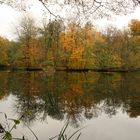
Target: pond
{"x":105,"y":105}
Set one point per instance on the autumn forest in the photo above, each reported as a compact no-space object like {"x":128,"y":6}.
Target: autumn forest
{"x":72,"y":46}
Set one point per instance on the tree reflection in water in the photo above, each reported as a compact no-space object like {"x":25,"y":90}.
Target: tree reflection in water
{"x":71,"y":96}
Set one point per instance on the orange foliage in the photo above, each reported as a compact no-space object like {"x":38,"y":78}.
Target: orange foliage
{"x":75,"y":41}
{"x":135,"y":26}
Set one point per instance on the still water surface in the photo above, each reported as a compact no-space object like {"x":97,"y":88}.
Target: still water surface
{"x":106,"y":104}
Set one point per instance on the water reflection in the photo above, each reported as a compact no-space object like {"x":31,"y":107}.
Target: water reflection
{"x":71,"y":96}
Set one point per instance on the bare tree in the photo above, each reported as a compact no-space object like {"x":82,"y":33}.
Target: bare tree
{"x":96,"y":8}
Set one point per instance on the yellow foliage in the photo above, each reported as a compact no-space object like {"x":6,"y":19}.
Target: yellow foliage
{"x":136,"y":38}
{"x":4,"y":44}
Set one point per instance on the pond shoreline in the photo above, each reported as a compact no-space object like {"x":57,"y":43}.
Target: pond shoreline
{"x":99,"y":70}
{"x":3,"y":68}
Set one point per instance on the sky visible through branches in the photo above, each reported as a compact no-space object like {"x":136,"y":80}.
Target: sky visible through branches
{"x":77,"y":10}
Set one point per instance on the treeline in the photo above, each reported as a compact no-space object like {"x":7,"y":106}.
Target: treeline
{"x":71,"y":46}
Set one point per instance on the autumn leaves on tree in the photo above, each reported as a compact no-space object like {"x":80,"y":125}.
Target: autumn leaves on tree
{"x":72,"y":46}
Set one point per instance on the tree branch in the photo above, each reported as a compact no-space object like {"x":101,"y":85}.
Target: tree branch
{"x":43,"y":2}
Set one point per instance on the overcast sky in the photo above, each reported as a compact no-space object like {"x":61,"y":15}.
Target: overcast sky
{"x":9,"y":19}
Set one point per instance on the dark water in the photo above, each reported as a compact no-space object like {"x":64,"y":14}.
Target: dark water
{"x":106,"y":104}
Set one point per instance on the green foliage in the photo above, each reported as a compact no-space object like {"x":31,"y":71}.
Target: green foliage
{"x":6,"y":130}
{"x":104,"y":56}
{"x":7,"y":136}
{"x":15,"y":54}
